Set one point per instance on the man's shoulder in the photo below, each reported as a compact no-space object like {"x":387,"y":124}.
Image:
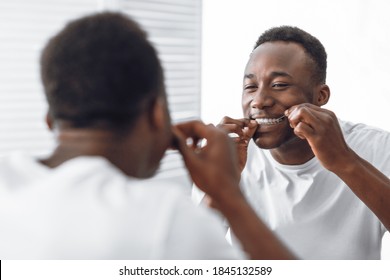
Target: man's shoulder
{"x":360,"y":128}
{"x":18,"y":167}
{"x":371,"y":143}
{"x":363,"y":134}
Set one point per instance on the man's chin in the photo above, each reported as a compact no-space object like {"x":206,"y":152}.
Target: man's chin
{"x":268,"y":143}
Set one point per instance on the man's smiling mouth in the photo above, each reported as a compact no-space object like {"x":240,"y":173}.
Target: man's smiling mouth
{"x":269,"y":121}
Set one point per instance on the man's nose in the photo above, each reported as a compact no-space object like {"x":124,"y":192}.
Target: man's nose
{"x":262,"y":98}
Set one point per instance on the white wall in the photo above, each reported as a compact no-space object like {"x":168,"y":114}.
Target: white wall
{"x":356,"y":35}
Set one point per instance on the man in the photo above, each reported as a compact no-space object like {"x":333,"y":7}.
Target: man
{"x":88,"y":200}
{"x":316,"y":181}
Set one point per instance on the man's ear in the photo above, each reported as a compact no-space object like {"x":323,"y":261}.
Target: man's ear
{"x":322,"y":95}
{"x":49,"y":121}
{"x":159,"y":113}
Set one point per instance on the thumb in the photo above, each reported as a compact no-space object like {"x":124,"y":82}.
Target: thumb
{"x":250,"y":129}
{"x":180,"y":144}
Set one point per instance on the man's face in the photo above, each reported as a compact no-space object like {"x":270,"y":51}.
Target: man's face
{"x":278,"y":75}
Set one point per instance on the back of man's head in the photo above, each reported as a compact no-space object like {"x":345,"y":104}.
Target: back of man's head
{"x":100,"y":69}
{"x":311,"y":45}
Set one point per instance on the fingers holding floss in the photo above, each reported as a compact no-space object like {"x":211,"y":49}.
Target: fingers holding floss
{"x":248,"y":130}
{"x":297,"y":122}
{"x":185,"y":138}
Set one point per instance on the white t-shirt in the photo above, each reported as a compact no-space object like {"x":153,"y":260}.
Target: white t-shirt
{"x":87,"y":209}
{"x":311,"y":209}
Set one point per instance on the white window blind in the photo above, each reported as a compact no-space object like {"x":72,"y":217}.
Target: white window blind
{"x":174,"y":26}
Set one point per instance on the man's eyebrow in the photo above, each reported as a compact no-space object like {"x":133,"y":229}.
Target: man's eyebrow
{"x":273,"y":74}
{"x":249,"y":76}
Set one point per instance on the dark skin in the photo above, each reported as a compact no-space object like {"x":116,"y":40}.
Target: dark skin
{"x":138,"y":150}
{"x":277,"y":82}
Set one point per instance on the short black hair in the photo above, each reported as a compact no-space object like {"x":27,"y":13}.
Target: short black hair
{"x":100,"y":68}
{"x":311,"y":44}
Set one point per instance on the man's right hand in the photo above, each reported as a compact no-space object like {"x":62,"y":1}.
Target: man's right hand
{"x":213,"y":166}
{"x":243,"y":129}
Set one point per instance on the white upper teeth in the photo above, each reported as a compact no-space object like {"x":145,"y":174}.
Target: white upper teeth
{"x":269,"y":121}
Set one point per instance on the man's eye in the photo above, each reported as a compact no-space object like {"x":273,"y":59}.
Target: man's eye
{"x":279,"y":85}
{"x":250,"y":87}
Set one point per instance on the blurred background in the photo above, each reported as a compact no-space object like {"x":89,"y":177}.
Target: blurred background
{"x":204,"y":46}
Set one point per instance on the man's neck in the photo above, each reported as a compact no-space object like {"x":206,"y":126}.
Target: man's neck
{"x":295,"y":152}
{"x":116,"y":148}
{"x":79,"y":142}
